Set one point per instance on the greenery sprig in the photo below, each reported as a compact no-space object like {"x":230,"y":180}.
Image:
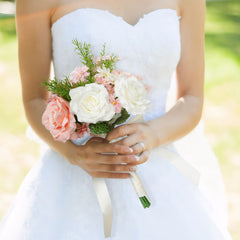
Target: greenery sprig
{"x":109,"y":63}
{"x":105,"y":127}
{"x":62,"y":87}
{"x":85,"y":53}
{"x":124,"y":116}
{"x":103,"y":51}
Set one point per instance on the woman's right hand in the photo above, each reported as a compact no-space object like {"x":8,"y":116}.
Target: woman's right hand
{"x":90,"y":158}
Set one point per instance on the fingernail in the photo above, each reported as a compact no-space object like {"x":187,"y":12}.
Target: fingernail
{"x":133,"y":168}
{"x":137,"y":158}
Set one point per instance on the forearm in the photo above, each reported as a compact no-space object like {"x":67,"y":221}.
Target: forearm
{"x":178,"y":121}
{"x":34,"y":110}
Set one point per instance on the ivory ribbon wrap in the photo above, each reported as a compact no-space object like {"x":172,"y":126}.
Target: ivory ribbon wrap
{"x":163,"y":152}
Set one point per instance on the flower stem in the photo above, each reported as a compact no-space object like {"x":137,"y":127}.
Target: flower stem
{"x":145,"y":202}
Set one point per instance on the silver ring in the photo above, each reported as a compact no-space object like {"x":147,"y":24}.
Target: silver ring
{"x":143,"y":146}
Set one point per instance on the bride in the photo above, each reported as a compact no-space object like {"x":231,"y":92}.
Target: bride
{"x":57,"y":199}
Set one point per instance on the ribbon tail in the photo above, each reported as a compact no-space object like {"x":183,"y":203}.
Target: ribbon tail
{"x":104,"y":201}
{"x":182,"y":165}
{"x":105,"y":204}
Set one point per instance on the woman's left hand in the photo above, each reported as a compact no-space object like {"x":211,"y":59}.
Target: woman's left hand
{"x":139,"y":136}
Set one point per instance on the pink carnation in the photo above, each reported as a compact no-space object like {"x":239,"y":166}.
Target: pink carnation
{"x":106,"y":83}
{"x":58,"y":119}
{"x":116,"y":103}
{"x":96,"y":60}
{"x":81,"y":130}
{"x":100,"y":58}
{"x":100,"y":80}
{"x":107,"y":57}
{"x":109,"y":87}
{"x":79,"y":74}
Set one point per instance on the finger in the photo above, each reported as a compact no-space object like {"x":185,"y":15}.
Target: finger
{"x":110,"y":175}
{"x":139,"y":147}
{"x":121,"y":131}
{"x":114,"y":159}
{"x":130,"y":140}
{"x":110,"y":148}
{"x":143,"y":157}
{"x":112,"y":167}
{"x":97,"y":139}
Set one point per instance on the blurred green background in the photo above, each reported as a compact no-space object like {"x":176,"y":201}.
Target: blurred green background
{"x":221,"y":110}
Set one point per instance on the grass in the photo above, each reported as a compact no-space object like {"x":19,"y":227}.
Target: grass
{"x":221,"y":112}
{"x":12,"y":119}
{"x":223,"y":73}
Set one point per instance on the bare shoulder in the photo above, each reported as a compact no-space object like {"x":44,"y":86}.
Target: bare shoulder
{"x":190,"y":70}
{"x":29,"y":7}
{"x":193,"y":7}
{"x":35,"y":46}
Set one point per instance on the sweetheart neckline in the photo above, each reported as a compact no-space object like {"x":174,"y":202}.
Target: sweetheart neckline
{"x":116,"y":16}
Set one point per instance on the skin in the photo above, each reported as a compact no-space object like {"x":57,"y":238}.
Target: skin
{"x":34,"y":20}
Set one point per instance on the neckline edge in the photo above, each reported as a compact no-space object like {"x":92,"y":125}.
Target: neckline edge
{"x":112,"y":14}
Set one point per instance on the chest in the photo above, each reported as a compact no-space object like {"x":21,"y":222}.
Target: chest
{"x":130,"y":11}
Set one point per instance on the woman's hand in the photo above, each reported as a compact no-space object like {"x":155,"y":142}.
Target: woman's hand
{"x":139,"y":136}
{"x":90,"y":157}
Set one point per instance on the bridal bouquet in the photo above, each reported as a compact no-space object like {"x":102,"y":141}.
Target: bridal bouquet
{"x":93,"y":99}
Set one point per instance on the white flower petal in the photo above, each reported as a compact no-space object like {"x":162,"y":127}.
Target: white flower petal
{"x":132,"y":94}
{"x":91,"y":103}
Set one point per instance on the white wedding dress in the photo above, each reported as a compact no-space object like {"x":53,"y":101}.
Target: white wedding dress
{"x":57,"y":200}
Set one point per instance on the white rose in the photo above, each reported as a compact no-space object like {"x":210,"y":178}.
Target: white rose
{"x":132,"y":94}
{"x":91,"y":103}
